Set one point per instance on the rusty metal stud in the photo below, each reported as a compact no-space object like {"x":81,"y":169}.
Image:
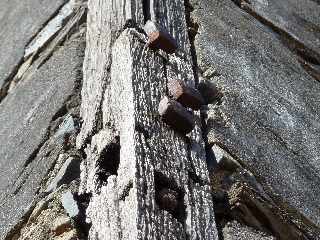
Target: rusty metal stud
{"x":159,"y":38}
{"x":168,"y":199}
{"x":186,"y":95}
{"x":162,"y":40}
{"x":176,"y":116}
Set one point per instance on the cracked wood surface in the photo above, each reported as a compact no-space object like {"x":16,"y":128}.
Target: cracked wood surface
{"x":148,"y":148}
{"x":143,"y":180}
{"x":105,"y":21}
{"x":131,"y":85}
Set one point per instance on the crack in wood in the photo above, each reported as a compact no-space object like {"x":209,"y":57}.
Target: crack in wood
{"x":146,"y":10}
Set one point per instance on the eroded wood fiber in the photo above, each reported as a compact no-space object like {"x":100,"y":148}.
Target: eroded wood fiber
{"x":153,"y":157}
{"x":125,"y":81}
{"x":105,"y":21}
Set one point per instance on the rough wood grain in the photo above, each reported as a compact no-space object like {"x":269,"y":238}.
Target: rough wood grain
{"x":131,"y":84}
{"x":152,"y":155}
{"x":105,"y":21}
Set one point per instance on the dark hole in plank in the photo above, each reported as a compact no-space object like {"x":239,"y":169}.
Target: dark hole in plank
{"x":108,"y":163}
{"x":170,"y":197}
{"x":83,"y":201}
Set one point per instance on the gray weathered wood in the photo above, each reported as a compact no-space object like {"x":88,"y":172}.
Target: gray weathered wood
{"x":148,"y":148}
{"x":105,"y":21}
{"x":152,"y":154}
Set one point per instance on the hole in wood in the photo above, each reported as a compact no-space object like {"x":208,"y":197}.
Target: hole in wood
{"x":108,"y":163}
{"x":169,"y":196}
{"x":83,"y":201}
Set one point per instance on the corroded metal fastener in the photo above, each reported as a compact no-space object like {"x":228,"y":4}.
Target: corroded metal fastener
{"x":176,"y":116}
{"x":186,"y":95}
{"x":162,"y":40}
{"x":168,"y":199}
{"x":159,"y":38}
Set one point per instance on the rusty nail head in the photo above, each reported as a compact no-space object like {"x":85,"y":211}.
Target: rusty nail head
{"x":186,"y":95}
{"x":162,"y":40}
{"x":176,"y":116}
{"x":159,"y":38}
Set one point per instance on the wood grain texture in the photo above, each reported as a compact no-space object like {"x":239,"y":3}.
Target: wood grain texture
{"x":105,"y":21}
{"x":152,"y":155}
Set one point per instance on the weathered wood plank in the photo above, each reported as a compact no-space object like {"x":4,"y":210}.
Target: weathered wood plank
{"x":131,"y":82}
{"x":105,"y":21}
{"x":152,"y":157}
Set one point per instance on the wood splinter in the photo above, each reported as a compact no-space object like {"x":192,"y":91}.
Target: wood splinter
{"x":186,"y":95}
{"x":176,"y":116}
{"x":159,"y":38}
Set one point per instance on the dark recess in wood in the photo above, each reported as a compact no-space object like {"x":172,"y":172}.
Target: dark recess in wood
{"x":83,"y":201}
{"x":108,"y":163}
{"x":169,"y":196}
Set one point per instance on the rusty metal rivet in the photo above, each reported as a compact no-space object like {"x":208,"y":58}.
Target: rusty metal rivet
{"x":168,"y":199}
{"x":186,"y":95}
{"x":176,"y":116}
{"x":159,"y":38}
{"x":162,"y":40}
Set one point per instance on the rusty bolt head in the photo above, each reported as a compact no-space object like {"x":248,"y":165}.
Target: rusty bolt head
{"x":176,"y":116}
{"x":162,"y":40}
{"x":159,"y":38}
{"x":186,"y":95}
{"x":168,"y":199}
